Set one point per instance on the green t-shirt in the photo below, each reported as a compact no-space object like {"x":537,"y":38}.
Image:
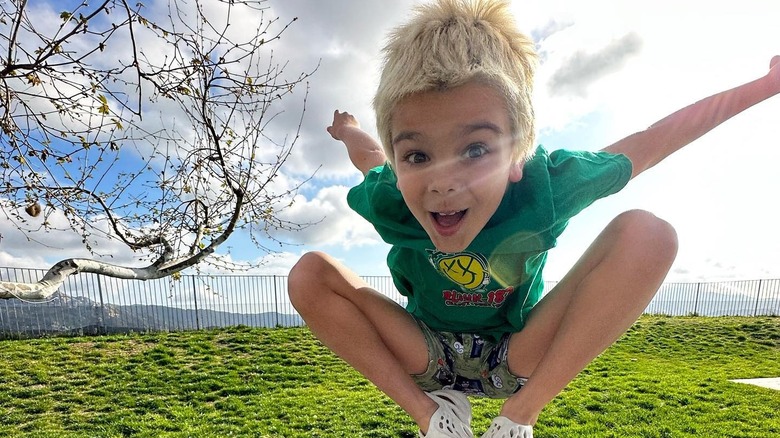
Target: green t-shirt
{"x":489,"y":288}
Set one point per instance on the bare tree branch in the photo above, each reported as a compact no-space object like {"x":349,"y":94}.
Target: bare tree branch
{"x":164,"y":145}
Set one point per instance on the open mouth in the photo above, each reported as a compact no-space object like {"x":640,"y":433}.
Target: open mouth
{"x":448,"y":220}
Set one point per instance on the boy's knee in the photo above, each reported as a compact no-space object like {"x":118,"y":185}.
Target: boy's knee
{"x":648,"y":232}
{"x":306,"y":273}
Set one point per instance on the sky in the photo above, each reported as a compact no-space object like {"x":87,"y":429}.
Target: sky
{"x":609,"y":68}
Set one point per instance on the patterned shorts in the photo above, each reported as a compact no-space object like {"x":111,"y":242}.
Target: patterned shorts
{"x":467,"y":363}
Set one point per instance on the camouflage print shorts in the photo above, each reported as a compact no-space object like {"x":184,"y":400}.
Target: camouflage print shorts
{"x":467,"y":363}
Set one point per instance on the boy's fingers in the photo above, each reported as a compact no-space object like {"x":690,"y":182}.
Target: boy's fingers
{"x":774,"y":61}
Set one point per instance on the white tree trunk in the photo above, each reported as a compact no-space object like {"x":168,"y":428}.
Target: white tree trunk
{"x":54,"y":278}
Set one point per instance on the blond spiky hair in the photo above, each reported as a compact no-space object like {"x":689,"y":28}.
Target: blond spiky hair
{"x":448,"y":43}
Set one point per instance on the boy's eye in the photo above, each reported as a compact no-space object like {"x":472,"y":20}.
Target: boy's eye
{"x":415,"y":158}
{"x":476,"y":150}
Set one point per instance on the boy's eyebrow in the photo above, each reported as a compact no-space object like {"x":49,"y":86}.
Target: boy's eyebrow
{"x":478,"y":126}
{"x":405,"y":135}
{"x":466,"y":130}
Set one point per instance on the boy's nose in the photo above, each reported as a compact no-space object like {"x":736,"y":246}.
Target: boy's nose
{"x":445,"y":179}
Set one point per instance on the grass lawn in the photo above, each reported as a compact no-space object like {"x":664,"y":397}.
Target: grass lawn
{"x":667,"y":377}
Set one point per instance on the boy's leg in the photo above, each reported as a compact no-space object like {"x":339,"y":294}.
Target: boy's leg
{"x":369,"y":331}
{"x":595,"y":303}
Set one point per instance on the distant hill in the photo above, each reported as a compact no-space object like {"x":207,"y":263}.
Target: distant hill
{"x":709,"y":303}
{"x":80,"y":315}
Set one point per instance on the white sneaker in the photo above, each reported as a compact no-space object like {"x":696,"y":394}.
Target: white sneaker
{"x":503,"y":427}
{"x":453,"y":418}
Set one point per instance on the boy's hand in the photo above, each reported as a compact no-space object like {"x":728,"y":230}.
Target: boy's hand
{"x":363,"y":150}
{"x":774,"y":72}
{"x":340,"y":121}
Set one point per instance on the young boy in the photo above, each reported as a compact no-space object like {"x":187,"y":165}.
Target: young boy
{"x":470,"y":208}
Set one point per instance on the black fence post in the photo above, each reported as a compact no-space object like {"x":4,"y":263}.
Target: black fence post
{"x":758,"y":298}
{"x":101,"y":326}
{"x":195,"y":296}
{"x":276,"y":302}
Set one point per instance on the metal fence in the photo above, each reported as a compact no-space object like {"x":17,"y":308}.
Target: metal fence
{"x":92,"y":304}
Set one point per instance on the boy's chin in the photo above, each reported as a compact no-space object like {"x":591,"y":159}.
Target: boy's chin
{"x":451,"y":247}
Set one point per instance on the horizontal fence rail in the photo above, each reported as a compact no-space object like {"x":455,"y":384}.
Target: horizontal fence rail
{"x":94,"y":304}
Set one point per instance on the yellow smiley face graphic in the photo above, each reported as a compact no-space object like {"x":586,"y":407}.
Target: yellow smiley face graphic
{"x":466,"y":269}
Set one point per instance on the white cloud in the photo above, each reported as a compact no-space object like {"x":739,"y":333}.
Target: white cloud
{"x":333,"y":222}
{"x":42,"y":248}
{"x":717,"y":192}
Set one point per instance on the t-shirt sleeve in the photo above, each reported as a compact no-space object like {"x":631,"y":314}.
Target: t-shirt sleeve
{"x":578,"y":178}
{"x":378,"y":200}
{"x":359,"y":197}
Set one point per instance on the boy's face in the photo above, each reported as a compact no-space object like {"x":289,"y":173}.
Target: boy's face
{"x":453,"y":158}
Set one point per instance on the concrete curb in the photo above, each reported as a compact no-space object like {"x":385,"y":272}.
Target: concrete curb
{"x":771,"y":382}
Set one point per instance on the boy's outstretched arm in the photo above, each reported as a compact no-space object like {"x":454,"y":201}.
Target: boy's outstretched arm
{"x":363,"y":150}
{"x":647,"y":148}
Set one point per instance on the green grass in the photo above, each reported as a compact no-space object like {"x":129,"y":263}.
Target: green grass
{"x":668,"y":377}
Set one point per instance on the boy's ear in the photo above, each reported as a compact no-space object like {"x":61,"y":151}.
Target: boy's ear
{"x":516,"y":172}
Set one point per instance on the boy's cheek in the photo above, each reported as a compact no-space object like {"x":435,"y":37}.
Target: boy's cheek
{"x":402,"y":183}
{"x":399,"y":180}
{"x":399,"y":184}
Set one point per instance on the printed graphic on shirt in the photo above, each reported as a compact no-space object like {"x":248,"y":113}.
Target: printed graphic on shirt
{"x":471,"y":272}
{"x":494,"y":298}
{"x":467,"y":269}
